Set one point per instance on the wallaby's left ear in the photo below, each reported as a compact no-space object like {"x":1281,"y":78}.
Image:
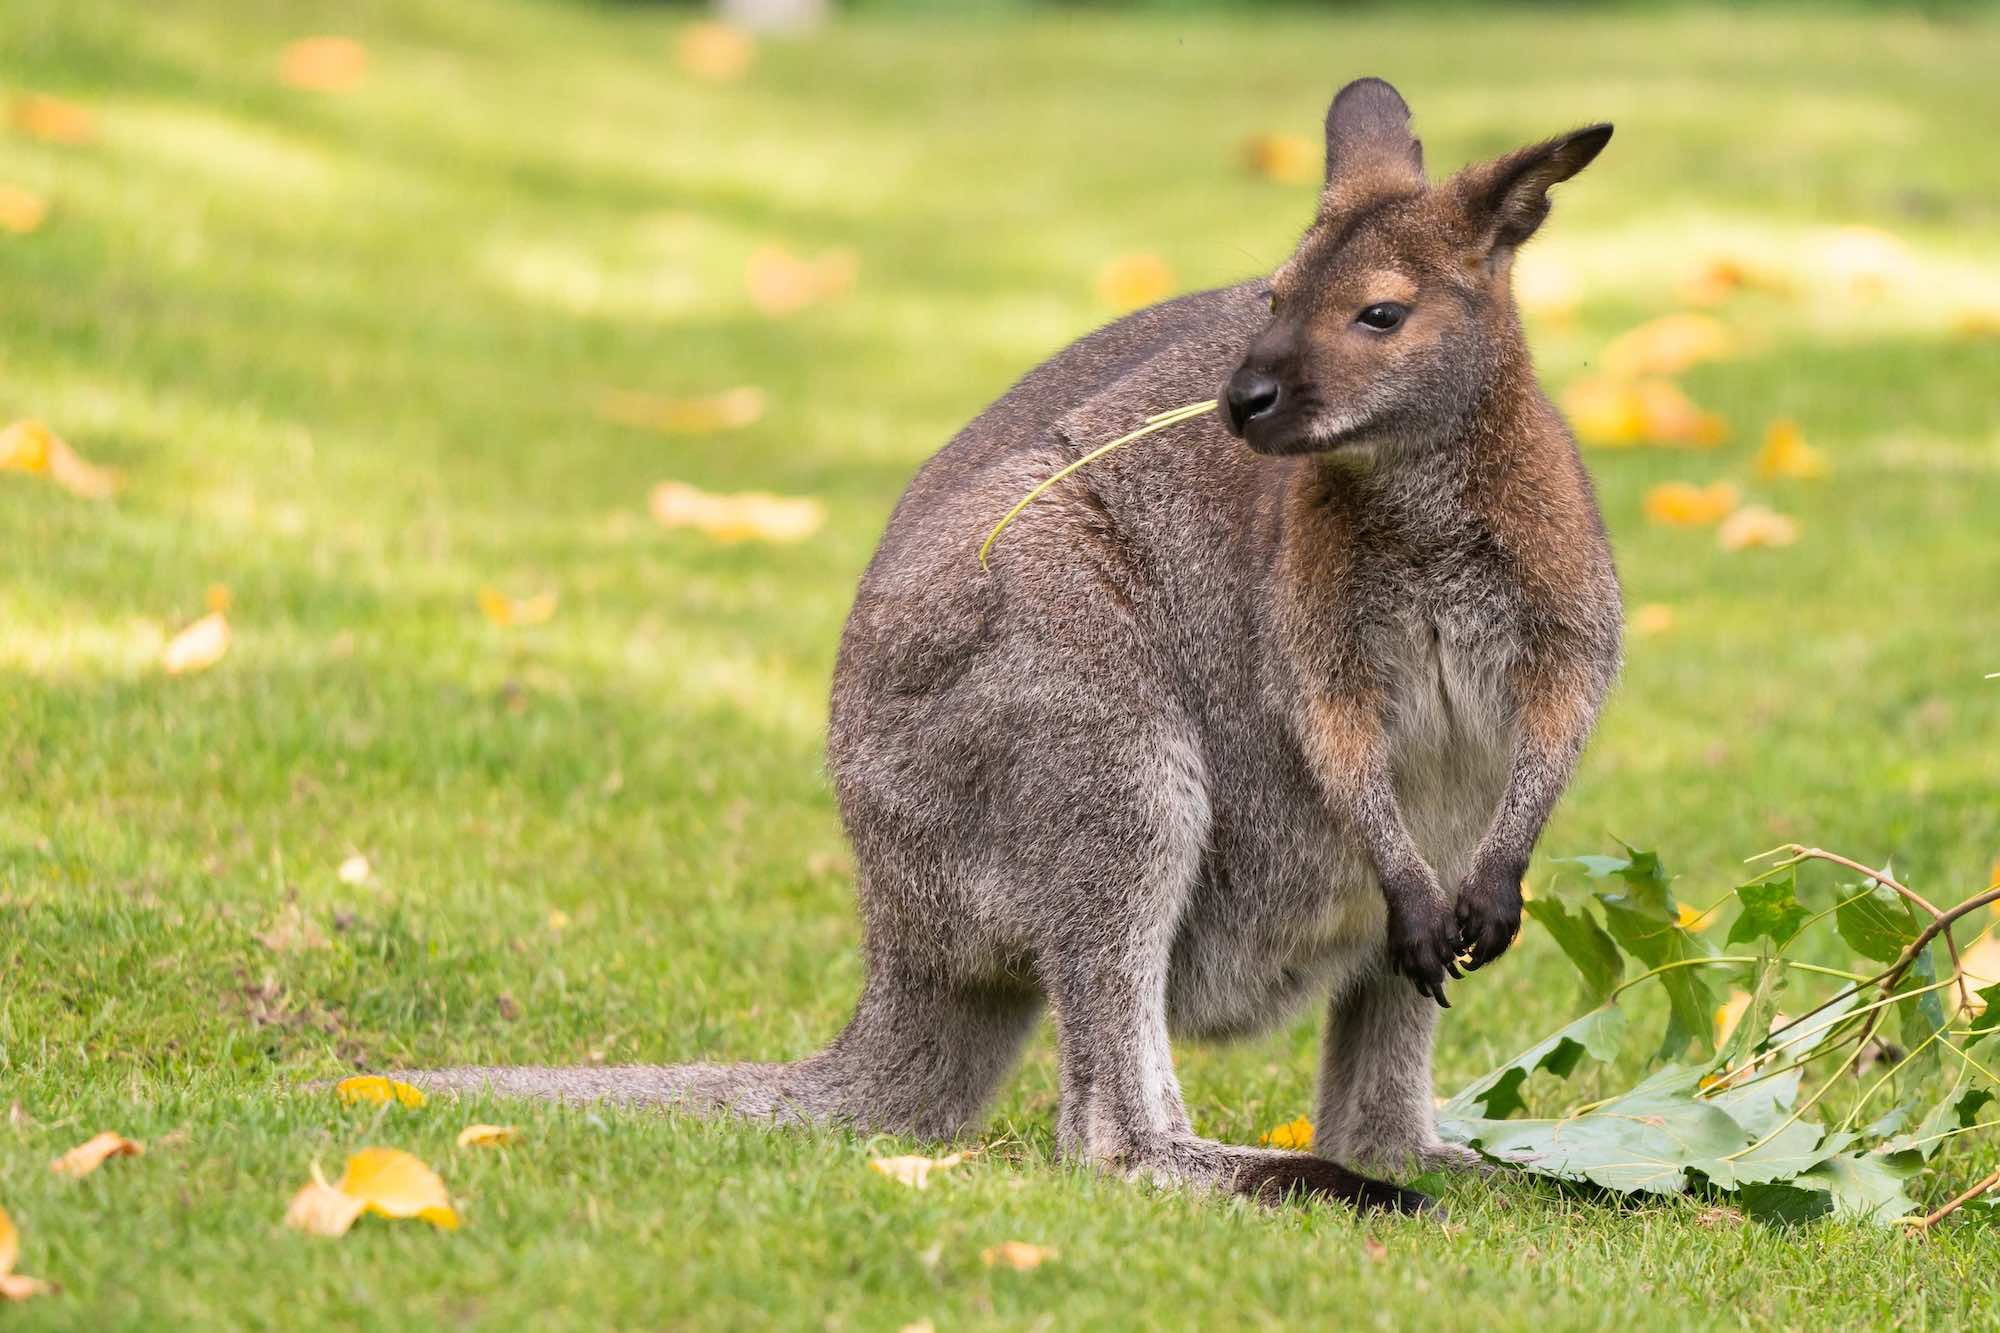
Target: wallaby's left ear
{"x":1506,"y":199}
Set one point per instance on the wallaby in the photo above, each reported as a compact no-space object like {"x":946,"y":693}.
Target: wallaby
{"x":1223,"y":729}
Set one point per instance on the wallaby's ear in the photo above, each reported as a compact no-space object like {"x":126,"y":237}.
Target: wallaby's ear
{"x":1368,"y":134}
{"x":1506,"y":199}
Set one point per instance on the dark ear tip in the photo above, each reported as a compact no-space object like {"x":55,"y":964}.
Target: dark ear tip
{"x":1374,"y":92}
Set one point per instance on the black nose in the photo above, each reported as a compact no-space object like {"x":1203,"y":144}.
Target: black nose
{"x":1251,"y":394}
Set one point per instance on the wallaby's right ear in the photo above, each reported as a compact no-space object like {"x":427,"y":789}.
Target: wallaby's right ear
{"x":1506,"y":199}
{"x":1368,"y":135}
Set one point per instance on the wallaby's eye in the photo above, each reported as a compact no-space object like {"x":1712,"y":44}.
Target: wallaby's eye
{"x":1382,"y":316}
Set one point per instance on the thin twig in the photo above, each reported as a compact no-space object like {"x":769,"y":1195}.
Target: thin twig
{"x":1929,"y":1220}
{"x":1911,"y":895}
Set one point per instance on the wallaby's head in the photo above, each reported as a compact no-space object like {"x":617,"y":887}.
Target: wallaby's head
{"x":1391,"y":315}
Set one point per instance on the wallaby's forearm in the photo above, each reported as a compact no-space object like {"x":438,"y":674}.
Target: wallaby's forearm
{"x":1555,"y":708}
{"x":1349,"y":753}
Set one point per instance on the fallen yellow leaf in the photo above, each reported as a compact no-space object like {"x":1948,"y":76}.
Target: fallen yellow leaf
{"x":354,"y":870}
{"x":29,"y":446}
{"x":1684,"y":504}
{"x":1545,"y":287}
{"x":291,"y":931}
{"x":1130,"y":281}
{"x":1786,"y":453}
{"x":1609,"y":411}
{"x":198,"y":647}
{"x":735,"y":518}
{"x":781,"y":283}
{"x":321,"y":1209}
{"x":1667,"y":346}
{"x":1652,"y":618}
{"x":51,"y":119}
{"x":487,"y":1136}
{"x":392,"y":1183}
{"x":1865,"y":261}
{"x":1292,"y":1134}
{"x":323,"y":64}
{"x":1721,"y":279}
{"x":914,"y":1171}
{"x":1754,"y":525}
{"x":1691,"y":917}
{"x":21,"y":211}
{"x":1289,"y":159}
{"x":511,"y":612}
{"x":92,"y":1153}
{"x":1981,"y":961}
{"x":729,"y":410}
{"x":378,"y":1090}
{"x":714,"y":52}
{"x":13,"y":1286}
{"x":1019,"y":1255}
{"x":1977,"y":324}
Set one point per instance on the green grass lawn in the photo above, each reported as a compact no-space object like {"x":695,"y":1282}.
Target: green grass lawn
{"x":346,"y":350}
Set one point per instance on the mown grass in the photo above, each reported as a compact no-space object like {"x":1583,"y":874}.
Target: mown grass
{"x":345,"y":349}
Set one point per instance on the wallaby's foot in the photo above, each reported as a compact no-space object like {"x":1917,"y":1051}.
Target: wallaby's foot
{"x":1405,"y":1163}
{"x":1271,"y":1176}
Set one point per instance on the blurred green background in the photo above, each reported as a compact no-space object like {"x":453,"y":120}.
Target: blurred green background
{"x":390,"y":341}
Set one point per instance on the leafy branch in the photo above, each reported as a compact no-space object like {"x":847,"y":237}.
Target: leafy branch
{"x":1730,"y":1106}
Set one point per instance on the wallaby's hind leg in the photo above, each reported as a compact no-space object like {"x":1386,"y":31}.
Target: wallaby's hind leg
{"x":1376,"y":1110}
{"x":916,"y":1058}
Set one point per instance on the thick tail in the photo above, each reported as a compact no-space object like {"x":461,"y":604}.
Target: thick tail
{"x":912,"y":1060}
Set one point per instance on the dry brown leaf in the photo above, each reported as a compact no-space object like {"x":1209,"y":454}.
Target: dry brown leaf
{"x":487,"y":1136}
{"x":1754,"y":525}
{"x":1289,"y":159}
{"x":377,"y":1090}
{"x":323,"y":64}
{"x":1374,"y":1249}
{"x":1667,"y":346}
{"x":714,"y":52}
{"x":198,"y":647}
{"x":30,"y":446}
{"x":513,"y":612}
{"x":914,"y":1171}
{"x":731,"y":409}
{"x":1786,"y":453}
{"x":92,"y":1153}
{"x":291,"y":931}
{"x":1130,"y":281}
{"x":753,"y":515}
{"x":51,"y":119}
{"x":391,"y":1183}
{"x":21,"y":211}
{"x":1683,"y":504}
{"x":919,"y":1326}
{"x":1652,"y":618}
{"x":320,"y":1209}
{"x":1019,"y":1255}
{"x":781,"y":283}
{"x":1292,"y":1134}
{"x":1719,"y":1216}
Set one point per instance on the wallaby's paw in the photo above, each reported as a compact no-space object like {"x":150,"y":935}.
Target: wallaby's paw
{"x":1277,"y":1178}
{"x":1423,"y":944}
{"x":1408,"y":1162}
{"x":1489,"y":915}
